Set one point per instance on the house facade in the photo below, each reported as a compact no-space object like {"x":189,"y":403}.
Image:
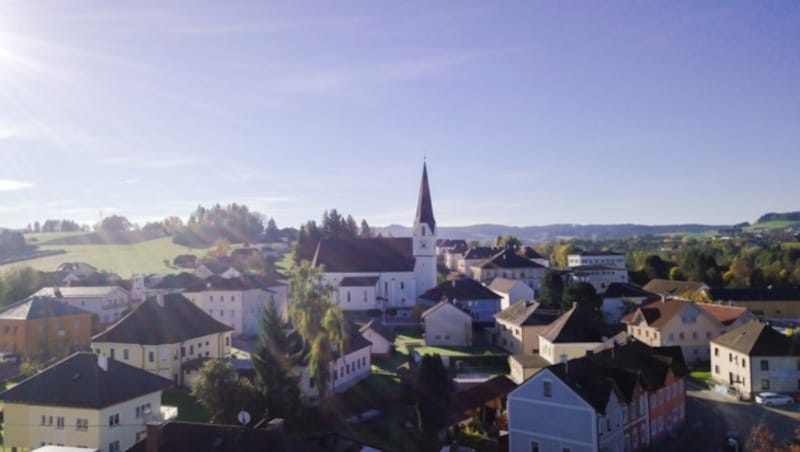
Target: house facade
{"x":474,"y":256}
{"x":235,"y":302}
{"x":84,"y":401}
{"x":469,"y":295}
{"x":755,"y":357}
{"x":381,"y":338}
{"x":447,"y":325}
{"x":573,"y":334}
{"x":108,"y":303}
{"x":619,"y":297}
{"x":164,"y":336}
{"x":346,"y":370}
{"x":772,"y":303}
{"x":508,"y":264}
{"x":512,"y":291}
{"x":43,"y":327}
{"x":519,"y":326}
{"x":598,"y":268}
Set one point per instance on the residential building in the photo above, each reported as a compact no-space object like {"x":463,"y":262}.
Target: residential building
{"x":446,"y":324}
{"x":358,"y":293}
{"x":452,"y":252}
{"x":381,"y":338}
{"x":77,"y":269}
{"x":347,"y":369}
{"x":164,"y":336}
{"x":469,"y":295}
{"x":43,"y":327}
{"x":598,"y":268}
{"x":772,"y":302}
{"x":519,"y":326}
{"x":689,"y":325}
{"x":573,"y":334}
{"x":754,"y":357}
{"x":512,"y":291}
{"x":620,"y":298}
{"x":108,"y":303}
{"x":605,"y":258}
{"x":675,"y":289}
{"x":171,"y":283}
{"x":508,"y":264}
{"x":474,"y":256}
{"x":236,"y":302}
{"x":521,"y":367}
{"x":219,"y":269}
{"x":531,"y":254}
{"x":84,"y":400}
{"x":404,"y":267}
{"x":623,"y":399}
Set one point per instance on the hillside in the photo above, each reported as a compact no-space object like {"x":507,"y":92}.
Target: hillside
{"x":485,"y":232}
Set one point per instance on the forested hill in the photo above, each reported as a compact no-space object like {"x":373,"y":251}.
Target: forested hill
{"x":543,"y":233}
{"x":772,"y":216}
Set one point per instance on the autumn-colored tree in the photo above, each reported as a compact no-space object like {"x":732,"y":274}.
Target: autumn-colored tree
{"x":761,"y":439}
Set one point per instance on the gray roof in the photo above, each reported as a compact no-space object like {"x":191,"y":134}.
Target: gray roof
{"x":756,"y":338}
{"x":359,"y":281}
{"x":385,"y":332}
{"x":508,"y":259}
{"x":504,"y":285}
{"x":527,"y":313}
{"x":460,"y":289}
{"x":669,"y":287}
{"x":534,"y":361}
{"x":36,"y":307}
{"x":78,"y":382}
{"x":78,"y":291}
{"x":577,"y":325}
{"x":383,"y":254}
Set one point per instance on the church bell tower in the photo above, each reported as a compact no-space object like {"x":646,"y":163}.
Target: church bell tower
{"x":424,"y":238}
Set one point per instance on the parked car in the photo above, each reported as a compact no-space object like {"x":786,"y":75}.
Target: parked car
{"x":773,"y":399}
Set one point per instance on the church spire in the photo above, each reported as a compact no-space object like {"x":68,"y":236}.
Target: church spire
{"x":424,"y":206}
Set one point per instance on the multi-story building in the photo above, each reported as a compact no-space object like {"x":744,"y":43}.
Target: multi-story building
{"x":510,"y":265}
{"x":165,"y":336}
{"x":43,"y":327}
{"x":573,"y":334}
{"x":108,"y":303}
{"x":84,"y":400}
{"x":469,"y":295}
{"x":689,"y":325}
{"x":512,"y":291}
{"x":619,"y":297}
{"x":626,"y":398}
{"x":755,"y":357}
{"x":236,"y":302}
{"x":598,"y":268}
{"x":519,"y":326}
{"x":474,"y":256}
{"x":447,"y":325}
{"x":607,"y":258}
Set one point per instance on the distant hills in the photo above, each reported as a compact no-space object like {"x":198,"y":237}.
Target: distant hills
{"x":486,"y":232}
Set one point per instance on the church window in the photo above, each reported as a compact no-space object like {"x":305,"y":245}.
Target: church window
{"x":402,"y":285}
{"x":365,"y":296}
{"x":422,"y":230}
{"x":348,"y":296}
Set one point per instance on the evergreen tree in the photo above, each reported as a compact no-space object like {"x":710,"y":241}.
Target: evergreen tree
{"x":272,"y":361}
{"x":433,"y":399}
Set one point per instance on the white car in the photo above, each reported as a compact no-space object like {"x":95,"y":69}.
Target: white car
{"x":773,"y":399}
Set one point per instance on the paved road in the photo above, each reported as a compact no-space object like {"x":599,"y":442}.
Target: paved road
{"x":711,"y":415}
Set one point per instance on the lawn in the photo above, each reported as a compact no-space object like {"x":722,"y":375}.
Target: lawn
{"x":408,"y":340}
{"x":36,"y":238}
{"x":777,"y":224}
{"x":701,"y":375}
{"x":125,"y":260}
{"x":286,"y":263}
{"x":188,"y":408}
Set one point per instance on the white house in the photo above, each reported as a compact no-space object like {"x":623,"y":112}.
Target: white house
{"x":404,"y":267}
{"x":606,"y":258}
{"x":512,"y":291}
{"x":447,"y":325}
{"x":84,"y":400}
{"x":381,"y":338}
{"x":530,"y":253}
{"x":508,"y":264}
{"x":108,"y":303}
{"x":573,"y":334}
{"x":474,"y":256}
{"x":519,"y":326}
{"x":209,"y":269}
{"x":619,"y":297}
{"x":469,"y":295}
{"x":755,"y":357}
{"x":598,"y":268}
{"x":236,"y":302}
{"x":163,"y":335}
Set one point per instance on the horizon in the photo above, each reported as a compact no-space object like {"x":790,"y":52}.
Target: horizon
{"x":527,"y":114}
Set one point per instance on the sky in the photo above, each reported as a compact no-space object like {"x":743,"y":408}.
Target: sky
{"x":527,"y":113}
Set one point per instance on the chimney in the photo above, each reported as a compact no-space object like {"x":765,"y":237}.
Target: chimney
{"x":154,"y":437}
{"x":102,"y":362}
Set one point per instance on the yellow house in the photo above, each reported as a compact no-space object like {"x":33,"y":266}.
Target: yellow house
{"x":84,"y":400}
{"x":165,"y":336}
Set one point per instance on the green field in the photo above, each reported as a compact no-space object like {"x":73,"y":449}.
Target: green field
{"x":36,"y":238}
{"x":777,"y":224}
{"x":125,"y":260}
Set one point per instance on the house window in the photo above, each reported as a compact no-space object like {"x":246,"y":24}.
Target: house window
{"x":111,"y":350}
{"x":730,"y":357}
{"x":81,"y":424}
{"x":566,"y":449}
{"x":44,"y":419}
{"x":151,"y":356}
{"x":716,"y":369}
{"x":113,"y":420}
{"x":764,"y":364}
{"x":114,"y":447}
{"x":744,"y":363}
{"x":547,"y":389}
{"x":716,"y":351}
{"x":680,"y":335}
{"x":402,"y":285}
{"x":765,"y":384}
{"x":348,"y":296}
{"x":60,"y":422}
{"x":227,"y":340}
{"x":694,"y":334}
{"x":125,"y":354}
{"x":535,"y":446}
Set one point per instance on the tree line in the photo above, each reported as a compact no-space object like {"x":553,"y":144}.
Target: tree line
{"x":333,"y":225}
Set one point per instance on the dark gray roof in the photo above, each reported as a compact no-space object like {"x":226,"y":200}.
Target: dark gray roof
{"x":577,"y":325}
{"x":622,"y":290}
{"x":151,"y":324}
{"x":598,"y":253}
{"x":460,"y":289}
{"x":182,"y":280}
{"x":508,"y":259}
{"x":78,"y":382}
{"x":359,"y":281}
{"x":527,"y":313}
{"x":534,"y":361}
{"x":384,"y":254}
{"x":756,"y":338}
{"x":425,"y":206}
{"x":774,"y":294}
{"x":386,"y":332}
{"x":37,"y":307}
{"x":504,"y":284}
{"x":670,"y":287}
{"x":218,"y":283}
{"x":530,"y":253}
{"x":480,"y":252}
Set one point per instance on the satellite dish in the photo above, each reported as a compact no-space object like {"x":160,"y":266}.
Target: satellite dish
{"x":243,"y":417}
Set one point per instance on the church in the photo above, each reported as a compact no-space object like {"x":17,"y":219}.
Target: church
{"x":384,"y":273}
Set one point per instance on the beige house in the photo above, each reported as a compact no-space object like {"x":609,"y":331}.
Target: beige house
{"x":447,"y":325}
{"x":773,"y":303}
{"x":690,"y":325}
{"x":573,"y":334}
{"x":236,"y":302}
{"x":108,"y":303}
{"x":84,"y":400}
{"x":754,"y":358}
{"x":519,"y":326}
{"x":165,"y":336}
{"x":508,"y":264}
{"x":512,"y":291}
{"x":522,"y":367}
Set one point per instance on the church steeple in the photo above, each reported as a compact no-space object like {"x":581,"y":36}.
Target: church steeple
{"x":424,"y":206}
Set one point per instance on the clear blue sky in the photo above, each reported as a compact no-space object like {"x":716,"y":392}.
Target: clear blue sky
{"x":528,"y":113}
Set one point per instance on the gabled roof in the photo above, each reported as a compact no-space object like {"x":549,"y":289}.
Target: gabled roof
{"x":773,"y":294}
{"x":182,"y":280}
{"x":480,"y":252}
{"x":527,"y":313}
{"x":36,"y":307}
{"x":670,"y":287}
{"x":178,"y":320}
{"x":359,"y":281}
{"x":577,"y":325}
{"x":386,"y":333}
{"x":508,"y":259}
{"x":534,"y":361}
{"x":504,"y":285}
{"x":530,"y":253}
{"x":623,"y":290}
{"x":424,"y":205}
{"x":78,"y":382}
{"x":220,"y":284}
{"x":756,"y":338}
{"x":659,"y":313}
{"x":460,"y":289}
{"x":78,"y":292}
{"x":264,"y":281}
{"x":440,"y":305}
{"x":723,"y":314}
{"x":383,"y":254}
{"x":216,"y":268}
{"x":479,"y":395}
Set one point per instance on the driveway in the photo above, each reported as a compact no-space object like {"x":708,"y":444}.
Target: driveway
{"x":714,"y":415}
